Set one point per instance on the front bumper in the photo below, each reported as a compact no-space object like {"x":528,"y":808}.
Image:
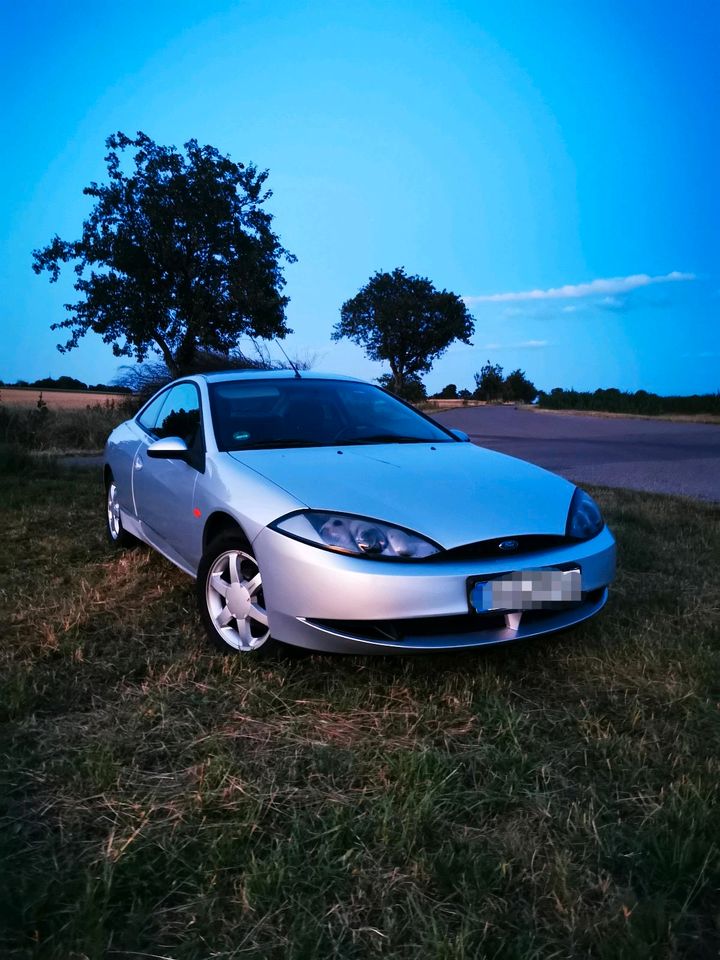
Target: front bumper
{"x":332,"y":602}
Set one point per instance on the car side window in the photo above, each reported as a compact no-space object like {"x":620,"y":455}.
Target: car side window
{"x":180,"y":415}
{"x":149,"y":417}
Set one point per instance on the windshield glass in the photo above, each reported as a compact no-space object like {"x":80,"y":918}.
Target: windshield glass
{"x":261,"y":414}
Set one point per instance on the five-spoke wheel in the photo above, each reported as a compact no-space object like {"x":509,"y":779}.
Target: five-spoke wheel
{"x":231,"y":599}
{"x":113,"y":512}
{"x":117,"y":534}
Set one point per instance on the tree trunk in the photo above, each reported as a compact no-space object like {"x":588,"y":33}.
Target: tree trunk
{"x":398,"y":377}
{"x":186,"y":355}
{"x":166,"y":353}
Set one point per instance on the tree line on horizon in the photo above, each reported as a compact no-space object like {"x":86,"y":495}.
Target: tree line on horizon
{"x":642,"y":402}
{"x":64,"y":383}
{"x":492,"y":386}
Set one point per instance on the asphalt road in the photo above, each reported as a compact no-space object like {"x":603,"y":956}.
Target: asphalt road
{"x":653,"y":455}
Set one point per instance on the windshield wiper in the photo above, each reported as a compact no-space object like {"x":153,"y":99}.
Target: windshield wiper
{"x":274,"y":444}
{"x":288,"y":442}
{"x":384,"y":438}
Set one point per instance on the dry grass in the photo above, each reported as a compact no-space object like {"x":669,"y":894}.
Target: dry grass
{"x":62,"y":431}
{"x":674,"y":417}
{"x":435,"y":404}
{"x":556,"y":799}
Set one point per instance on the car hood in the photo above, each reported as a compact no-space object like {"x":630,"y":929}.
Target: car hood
{"x":453,"y":493}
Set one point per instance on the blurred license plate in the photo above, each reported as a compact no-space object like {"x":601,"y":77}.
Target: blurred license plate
{"x":526,"y":590}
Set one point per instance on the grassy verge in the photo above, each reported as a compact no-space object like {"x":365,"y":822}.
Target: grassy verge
{"x":673,"y":417}
{"x":549,"y":799}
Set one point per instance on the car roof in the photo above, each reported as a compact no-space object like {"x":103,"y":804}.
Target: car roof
{"x":225,"y":375}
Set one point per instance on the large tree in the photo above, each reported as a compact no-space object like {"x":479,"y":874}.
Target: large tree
{"x":177,"y":255}
{"x":405,"y":322}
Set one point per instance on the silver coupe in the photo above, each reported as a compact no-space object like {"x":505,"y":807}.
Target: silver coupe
{"x":320,"y":511}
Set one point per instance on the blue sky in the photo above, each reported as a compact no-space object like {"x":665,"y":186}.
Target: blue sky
{"x":554,"y":163}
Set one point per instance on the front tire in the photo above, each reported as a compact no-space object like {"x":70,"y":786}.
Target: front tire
{"x":116,"y":532}
{"x":231,"y":601}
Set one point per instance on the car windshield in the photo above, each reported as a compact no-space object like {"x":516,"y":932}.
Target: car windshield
{"x":264,"y":414}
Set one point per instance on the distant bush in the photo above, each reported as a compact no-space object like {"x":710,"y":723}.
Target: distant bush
{"x":41,"y":428}
{"x":60,"y":383}
{"x":641,"y":402}
{"x":449,"y":392}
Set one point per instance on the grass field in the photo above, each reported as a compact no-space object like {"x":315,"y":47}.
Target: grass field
{"x":553,"y":799}
{"x":27,"y":398}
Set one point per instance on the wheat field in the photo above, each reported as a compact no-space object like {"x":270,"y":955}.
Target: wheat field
{"x":57,"y":399}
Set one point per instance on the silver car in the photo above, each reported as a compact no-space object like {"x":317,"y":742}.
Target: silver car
{"x":321,"y":511}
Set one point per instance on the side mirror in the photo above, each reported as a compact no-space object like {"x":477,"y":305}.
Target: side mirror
{"x":461,"y":435}
{"x":169,"y":448}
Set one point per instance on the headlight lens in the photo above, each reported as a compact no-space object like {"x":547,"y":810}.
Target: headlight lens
{"x":357,"y":535}
{"x":584,"y":518}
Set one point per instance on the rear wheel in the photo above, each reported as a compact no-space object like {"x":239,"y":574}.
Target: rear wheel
{"x":231,"y":601}
{"x":116,"y":533}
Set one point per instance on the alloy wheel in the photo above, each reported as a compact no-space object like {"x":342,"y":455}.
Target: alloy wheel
{"x":234,"y":599}
{"x":113,"y":512}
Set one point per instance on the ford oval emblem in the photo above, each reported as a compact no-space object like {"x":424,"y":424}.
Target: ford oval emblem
{"x":508,"y":545}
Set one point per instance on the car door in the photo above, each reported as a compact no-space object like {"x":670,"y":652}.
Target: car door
{"x":163,"y":489}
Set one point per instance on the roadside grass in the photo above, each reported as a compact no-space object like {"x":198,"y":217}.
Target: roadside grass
{"x":551,"y":799}
{"x":713,"y":418}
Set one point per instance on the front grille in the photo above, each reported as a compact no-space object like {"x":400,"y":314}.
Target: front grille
{"x":435,"y":628}
{"x":421,"y":627}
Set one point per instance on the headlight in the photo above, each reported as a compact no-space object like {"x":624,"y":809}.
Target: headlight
{"x":584,"y":517}
{"x":358,"y":535}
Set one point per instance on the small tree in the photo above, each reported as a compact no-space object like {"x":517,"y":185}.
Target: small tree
{"x":405,"y":322}
{"x":413,"y":389}
{"x":177,"y":256}
{"x":517,"y":387}
{"x":489,"y":383}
